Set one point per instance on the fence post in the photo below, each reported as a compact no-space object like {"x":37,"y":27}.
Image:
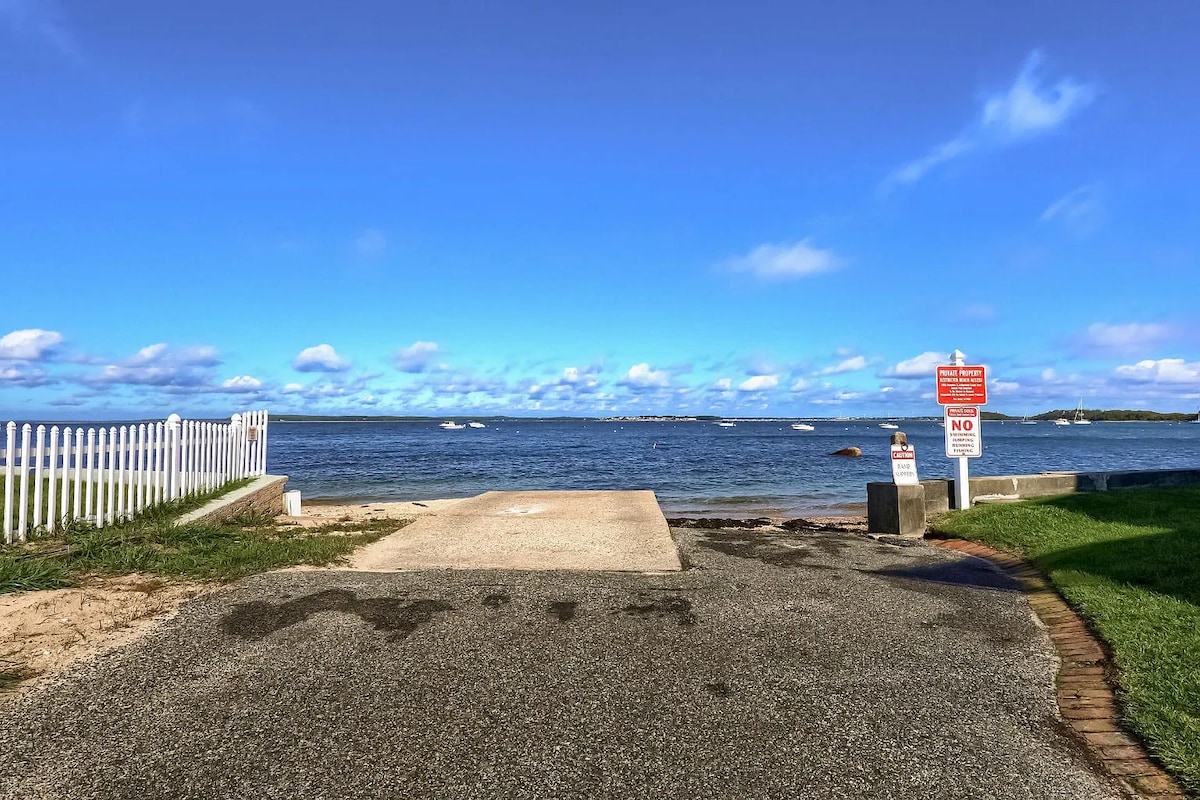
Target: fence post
{"x":53,"y":496}
{"x":10,"y":445}
{"x":173,"y":457}
{"x":235,"y":449}
{"x":39,"y":455}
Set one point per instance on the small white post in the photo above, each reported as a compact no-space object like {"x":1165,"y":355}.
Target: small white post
{"x":39,"y":473}
{"x":962,"y":478}
{"x":10,"y":455}
{"x":52,"y":495}
{"x":64,"y":508}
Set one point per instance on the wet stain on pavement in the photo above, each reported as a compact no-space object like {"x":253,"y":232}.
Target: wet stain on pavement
{"x":563,"y":610}
{"x":496,"y":600}
{"x":778,"y":550}
{"x":670,"y":606}
{"x":718,"y":689}
{"x":397,"y":616}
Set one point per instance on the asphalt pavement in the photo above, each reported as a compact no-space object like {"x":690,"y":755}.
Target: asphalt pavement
{"x":774,"y":665}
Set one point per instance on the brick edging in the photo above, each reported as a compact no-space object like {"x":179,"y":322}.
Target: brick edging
{"x":1085,"y":696}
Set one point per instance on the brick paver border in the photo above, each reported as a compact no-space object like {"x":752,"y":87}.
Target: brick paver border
{"x":1085,"y":695}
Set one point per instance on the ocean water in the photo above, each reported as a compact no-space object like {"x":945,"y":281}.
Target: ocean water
{"x":694,"y":467}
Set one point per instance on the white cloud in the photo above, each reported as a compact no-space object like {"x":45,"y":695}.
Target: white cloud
{"x":1081,"y":211}
{"x":371,"y":243}
{"x":848,"y":365}
{"x":321,"y":358}
{"x":1163,"y":370}
{"x":30,"y":344}
{"x":41,"y":20}
{"x":1128,"y":338}
{"x":723,"y":384}
{"x":801,"y":384}
{"x":242,"y":383}
{"x":781,"y":262}
{"x":758,"y":383}
{"x":641,"y":376}
{"x":922,"y":366}
{"x":1029,"y":107}
{"x":416,"y":357}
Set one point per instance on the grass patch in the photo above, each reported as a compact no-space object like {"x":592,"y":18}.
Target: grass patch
{"x":153,"y":544}
{"x":1129,"y":561}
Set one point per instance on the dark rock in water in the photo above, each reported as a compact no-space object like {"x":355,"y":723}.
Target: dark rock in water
{"x":852,"y":452}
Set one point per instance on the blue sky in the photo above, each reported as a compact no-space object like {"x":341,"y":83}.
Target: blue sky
{"x":760,"y":208}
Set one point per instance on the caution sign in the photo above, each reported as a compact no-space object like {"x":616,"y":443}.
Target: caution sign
{"x":904,"y":465}
{"x":962,"y":386}
{"x":963,"y":437}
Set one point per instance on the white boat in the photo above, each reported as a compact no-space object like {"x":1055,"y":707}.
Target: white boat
{"x":451,"y":425}
{"x":726,"y":424}
{"x":1197,"y":419}
{"x":1027,"y":421}
{"x":1062,"y":421}
{"x":476,"y":425}
{"x":1079,"y":418}
{"x":889,"y":426}
{"x":802,"y":426}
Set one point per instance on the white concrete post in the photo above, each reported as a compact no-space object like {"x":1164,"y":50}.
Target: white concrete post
{"x":962,"y":478}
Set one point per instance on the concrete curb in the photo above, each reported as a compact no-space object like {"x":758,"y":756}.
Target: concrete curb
{"x":1085,"y":694}
{"x":263,"y":494}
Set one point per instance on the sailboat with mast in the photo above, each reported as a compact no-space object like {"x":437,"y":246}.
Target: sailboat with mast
{"x":1080,"y":419}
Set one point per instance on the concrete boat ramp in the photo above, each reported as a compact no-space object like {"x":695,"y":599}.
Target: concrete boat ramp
{"x":601,"y":530}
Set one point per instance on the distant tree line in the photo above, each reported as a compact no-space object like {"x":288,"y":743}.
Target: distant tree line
{"x":1098,"y":415}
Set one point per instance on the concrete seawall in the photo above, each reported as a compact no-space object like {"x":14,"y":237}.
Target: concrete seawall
{"x":939,"y":494}
{"x":904,"y":510}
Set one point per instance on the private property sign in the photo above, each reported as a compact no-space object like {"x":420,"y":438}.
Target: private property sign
{"x":961,"y":386}
{"x":963,"y":439}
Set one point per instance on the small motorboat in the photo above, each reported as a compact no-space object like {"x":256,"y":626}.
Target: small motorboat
{"x":889,"y":426}
{"x":802,"y":426}
{"x":726,"y":424}
{"x":476,"y":425}
{"x":1062,"y":421}
{"x":451,"y":425}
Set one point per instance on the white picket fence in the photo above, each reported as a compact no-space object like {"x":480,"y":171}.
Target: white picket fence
{"x":104,"y":475}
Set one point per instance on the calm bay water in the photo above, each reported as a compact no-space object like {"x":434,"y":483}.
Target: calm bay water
{"x":694,"y":467}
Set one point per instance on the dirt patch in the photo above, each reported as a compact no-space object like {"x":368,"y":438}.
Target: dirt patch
{"x":397,"y":616}
{"x":44,"y":632}
{"x":318,"y":514}
{"x":496,"y":600}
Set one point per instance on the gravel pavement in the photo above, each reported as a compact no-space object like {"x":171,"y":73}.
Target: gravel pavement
{"x":776,"y":665}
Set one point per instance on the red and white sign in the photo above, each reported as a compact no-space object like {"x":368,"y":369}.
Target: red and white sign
{"x":961,"y":386}
{"x":904,"y":465}
{"x":963,"y":438}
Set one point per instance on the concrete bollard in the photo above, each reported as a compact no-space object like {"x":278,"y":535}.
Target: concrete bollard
{"x":897,"y":509}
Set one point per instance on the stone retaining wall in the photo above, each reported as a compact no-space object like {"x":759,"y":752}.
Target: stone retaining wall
{"x":264,"y":495}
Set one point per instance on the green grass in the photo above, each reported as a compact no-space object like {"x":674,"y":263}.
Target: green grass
{"x":1129,"y":561}
{"x":154,"y":545}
